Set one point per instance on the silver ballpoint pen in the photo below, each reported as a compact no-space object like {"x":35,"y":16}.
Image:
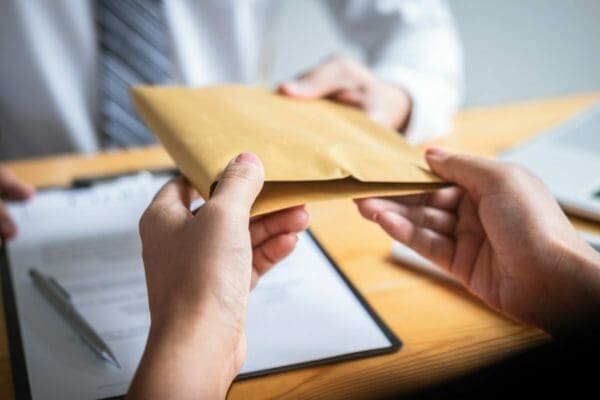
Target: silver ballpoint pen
{"x":61,"y":300}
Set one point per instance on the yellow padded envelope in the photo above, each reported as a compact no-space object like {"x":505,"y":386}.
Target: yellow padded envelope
{"x":311,"y":150}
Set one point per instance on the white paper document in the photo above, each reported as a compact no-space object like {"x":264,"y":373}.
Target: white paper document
{"x":87,"y":239}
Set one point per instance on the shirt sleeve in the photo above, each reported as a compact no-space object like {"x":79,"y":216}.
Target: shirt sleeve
{"x":413,"y":44}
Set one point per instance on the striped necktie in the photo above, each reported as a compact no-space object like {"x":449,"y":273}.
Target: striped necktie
{"x":132,"y":50}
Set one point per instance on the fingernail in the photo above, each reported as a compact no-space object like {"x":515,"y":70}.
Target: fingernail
{"x":248,"y":158}
{"x":436,"y":153}
{"x":374,"y":217}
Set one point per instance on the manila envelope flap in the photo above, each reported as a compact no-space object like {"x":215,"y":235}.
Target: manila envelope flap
{"x":311,"y":149}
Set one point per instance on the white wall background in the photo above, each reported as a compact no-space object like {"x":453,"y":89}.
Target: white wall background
{"x":514,"y":49}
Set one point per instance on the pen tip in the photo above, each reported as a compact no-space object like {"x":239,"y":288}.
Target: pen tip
{"x":115,"y":362}
{"x":110,"y":357}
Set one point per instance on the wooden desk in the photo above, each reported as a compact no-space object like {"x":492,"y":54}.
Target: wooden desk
{"x":446,"y":331}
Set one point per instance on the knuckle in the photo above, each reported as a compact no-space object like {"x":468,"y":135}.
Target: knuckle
{"x":512,"y":173}
{"x":517,"y":170}
{"x":268,"y":229}
{"x":496,"y":182}
{"x":238,"y":171}
{"x":217,"y":210}
{"x":513,"y":168}
{"x":412,"y":239}
{"x":427,"y":218}
{"x":144,"y":221}
{"x":461,"y":159}
{"x":268,"y":258}
{"x":520,"y":175}
{"x":454,"y":160}
{"x":150,"y":218}
{"x":501,"y":176}
{"x":343,"y":64}
{"x":336,"y":59}
{"x":429,"y":246}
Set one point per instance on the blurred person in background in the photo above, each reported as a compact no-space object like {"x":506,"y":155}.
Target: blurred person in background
{"x":66,"y":67}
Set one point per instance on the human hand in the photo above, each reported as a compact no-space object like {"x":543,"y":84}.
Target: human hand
{"x":11,"y":189}
{"x":348,"y":82}
{"x":502,"y":234}
{"x":199,"y":270}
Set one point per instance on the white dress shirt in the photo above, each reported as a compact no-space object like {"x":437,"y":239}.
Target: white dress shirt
{"x":48,"y":61}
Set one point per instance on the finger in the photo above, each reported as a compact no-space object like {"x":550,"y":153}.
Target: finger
{"x":290,"y":220}
{"x":177,"y":192}
{"x":8,"y":230}
{"x":350,"y":97}
{"x":333,"y":75}
{"x":239,"y":184}
{"x":473,"y":173}
{"x":170,"y":204}
{"x":12,"y":188}
{"x":430,"y":244}
{"x":193,"y":192}
{"x":270,"y":252}
{"x":445,"y":199}
{"x":421,"y":216}
{"x":369,"y":208}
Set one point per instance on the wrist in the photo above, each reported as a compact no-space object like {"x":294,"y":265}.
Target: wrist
{"x":187,"y":356}
{"x":203,"y":340}
{"x":575,"y":289}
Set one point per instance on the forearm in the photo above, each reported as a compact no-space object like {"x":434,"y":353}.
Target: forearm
{"x":183,"y":361}
{"x":576,"y":296}
{"x":425,"y":59}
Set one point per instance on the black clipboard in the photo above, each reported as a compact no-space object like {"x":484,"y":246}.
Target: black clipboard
{"x":17,"y":355}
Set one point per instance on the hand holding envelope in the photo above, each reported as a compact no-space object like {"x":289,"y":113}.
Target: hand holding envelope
{"x":311,"y":150}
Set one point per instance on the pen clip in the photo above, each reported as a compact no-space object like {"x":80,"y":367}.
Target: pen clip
{"x":59,"y":289}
